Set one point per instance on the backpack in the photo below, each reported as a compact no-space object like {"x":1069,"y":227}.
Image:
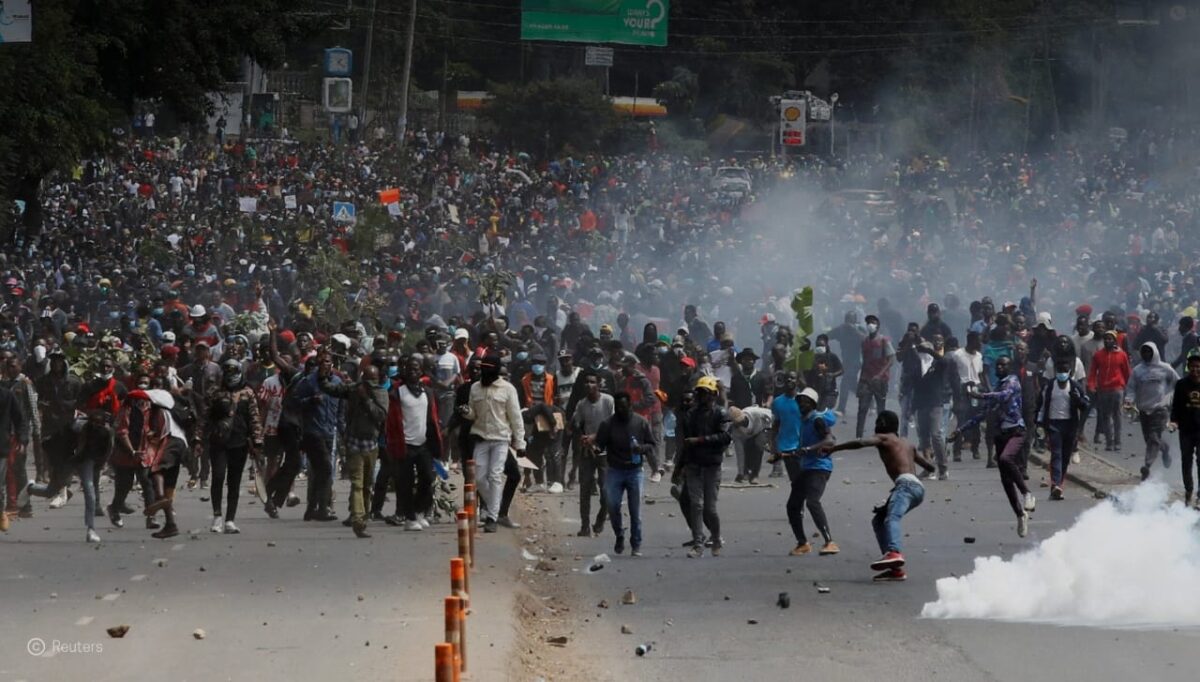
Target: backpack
{"x":184,"y":414}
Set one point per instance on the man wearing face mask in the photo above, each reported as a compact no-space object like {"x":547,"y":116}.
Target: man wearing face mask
{"x":823,"y":376}
{"x":1107,"y":377}
{"x":494,"y":410}
{"x":58,"y":393}
{"x":234,"y":430}
{"x":1185,"y":416}
{"x":1007,"y":399}
{"x":537,"y":400}
{"x":1062,"y":405}
{"x":1151,"y":387}
{"x":877,"y":359}
{"x":564,"y":385}
{"x":1153,"y":333}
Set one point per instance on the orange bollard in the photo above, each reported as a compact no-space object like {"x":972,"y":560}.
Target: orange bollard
{"x":473,"y":530}
{"x":464,"y":540}
{"x":453,"y":615}
{"x":458,"y":580}
{"x":443,"y":663}
{"x":469,"y":472}
{"x":462,"y":636}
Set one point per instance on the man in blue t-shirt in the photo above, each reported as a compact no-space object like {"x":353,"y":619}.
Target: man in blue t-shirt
{"x":799,"y":431}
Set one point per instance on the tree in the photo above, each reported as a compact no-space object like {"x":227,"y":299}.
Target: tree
{"x":679,"y":94}
{"x":546,"y":116}
{"x":91,"y":61}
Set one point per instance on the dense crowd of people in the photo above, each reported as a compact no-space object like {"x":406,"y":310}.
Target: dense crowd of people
{"x":301,"y":310}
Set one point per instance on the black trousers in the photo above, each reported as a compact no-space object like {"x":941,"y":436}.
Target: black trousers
{"x":591,"y":472}
{"x":320,"y":472}
{"x":227,"y":467}
{"x":281,"y":482}
{"x":1189,"y":452}
{"x":414,"y":482}
{"x":123,"y":478}
{"x":808,"y":485}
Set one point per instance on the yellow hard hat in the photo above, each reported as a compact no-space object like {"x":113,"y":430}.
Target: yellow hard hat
{"x":707,"y":383}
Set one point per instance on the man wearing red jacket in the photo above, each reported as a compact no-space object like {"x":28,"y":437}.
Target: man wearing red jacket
{"x":414,"y":438}
{"x":1107,"y":376}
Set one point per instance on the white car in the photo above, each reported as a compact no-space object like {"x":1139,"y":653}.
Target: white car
{"x":731,"y":179}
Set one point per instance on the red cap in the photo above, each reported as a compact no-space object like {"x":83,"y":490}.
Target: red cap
{"x":1085,"y":309}
{"x":688,"y":362}
{"x":287,"y":336}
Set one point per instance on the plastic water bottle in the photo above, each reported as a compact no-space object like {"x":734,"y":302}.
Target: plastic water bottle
{"x":643,"y":648}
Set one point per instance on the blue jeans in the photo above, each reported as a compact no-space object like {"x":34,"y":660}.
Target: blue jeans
{"x":616,"y":482}
{"x":1062,"y":438}
{"x":906,"y":496}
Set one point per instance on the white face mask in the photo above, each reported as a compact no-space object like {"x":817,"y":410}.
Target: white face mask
{"x":872,"y":327}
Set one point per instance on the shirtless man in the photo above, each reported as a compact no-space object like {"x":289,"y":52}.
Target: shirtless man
{"x":900,"y":459}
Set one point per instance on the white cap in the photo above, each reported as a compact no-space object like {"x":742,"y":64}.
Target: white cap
{"x":197,"y":311}
{"x":461,"y":334}
{"x":168,"y":337}
{"x":1043,"y":319}
{"x":811,"y":395}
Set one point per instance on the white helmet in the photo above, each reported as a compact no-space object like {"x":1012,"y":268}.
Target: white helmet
{"x":197,"y":311}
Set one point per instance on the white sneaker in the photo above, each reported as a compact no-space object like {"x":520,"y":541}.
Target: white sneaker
{"x":423,"y":521}
{"x":1076,"y":459}
{"x":1023,"y":524}
{"x":218,"y":525}
{"x":1030,"y":502}
{"x":92,"y":537}
{"x":556,"y":488}
{"x":655,"y":477}
{"x":231,"y":529}
{"x":413,"y":525}
{"x":23,"y":496}
{"x":59,"y":501}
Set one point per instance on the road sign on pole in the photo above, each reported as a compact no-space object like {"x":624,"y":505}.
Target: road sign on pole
{"x":337,"y":94}
{"x":344,"y":212}
{"x":792,"y":122}
{"x":598,"y":56}
{"x":16,"y":22}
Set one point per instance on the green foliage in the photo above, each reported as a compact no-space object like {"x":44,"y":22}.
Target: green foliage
{"x":800,"y":357}
{"x":679,"y":94}
{"x":550,"y":115}
{"x":91,"y":61}
{"x":494,"y":286}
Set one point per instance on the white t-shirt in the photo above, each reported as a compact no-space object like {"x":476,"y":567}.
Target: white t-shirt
{"x":969,"y":366}
{"x":415,"y":408}
{"x":270,"y":395}
{"x":447,"y":368}
{"x":1060,"y":402}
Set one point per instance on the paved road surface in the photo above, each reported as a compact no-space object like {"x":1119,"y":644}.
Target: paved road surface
{"x":696,"y":612}
{"x":289,"y":611}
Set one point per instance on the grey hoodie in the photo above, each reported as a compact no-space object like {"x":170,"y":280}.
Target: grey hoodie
{"x":1152,"y":384}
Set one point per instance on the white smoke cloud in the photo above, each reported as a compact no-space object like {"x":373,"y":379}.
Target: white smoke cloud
{"x":1131,"y":562}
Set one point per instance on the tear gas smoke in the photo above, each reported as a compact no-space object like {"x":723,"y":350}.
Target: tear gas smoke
{"x":1130,"y":562}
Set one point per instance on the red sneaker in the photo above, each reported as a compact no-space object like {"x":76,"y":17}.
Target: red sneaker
{"x":894,"y":575}
{"x":888,"y":561}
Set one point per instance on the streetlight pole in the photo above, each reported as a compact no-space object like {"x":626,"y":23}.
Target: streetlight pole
{"x":833,"y":99}
{"x":402,"y":122}
{"x":366,"y":88}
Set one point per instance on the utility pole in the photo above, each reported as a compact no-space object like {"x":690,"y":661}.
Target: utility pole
{"x":402,"y":123}
{"x":366,"y":88}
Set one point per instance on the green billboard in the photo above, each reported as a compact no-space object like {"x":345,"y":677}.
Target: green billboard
{"x":631,"y":22}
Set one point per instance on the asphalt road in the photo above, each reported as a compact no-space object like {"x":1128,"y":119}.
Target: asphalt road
{"x":697,"y":613}
{"x":284,"y":599}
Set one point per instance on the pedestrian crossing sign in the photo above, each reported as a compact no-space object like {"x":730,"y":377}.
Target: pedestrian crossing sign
{"x":343,"y":212}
